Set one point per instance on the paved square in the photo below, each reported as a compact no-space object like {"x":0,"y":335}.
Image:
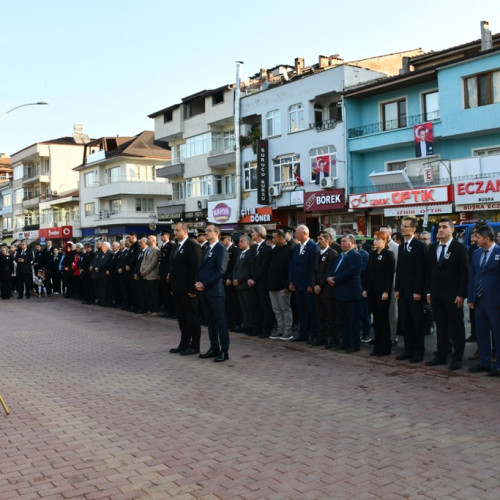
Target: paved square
{"x":101,"y":410}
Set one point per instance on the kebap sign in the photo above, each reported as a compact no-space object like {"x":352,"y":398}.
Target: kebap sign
{"x":438,"y":194}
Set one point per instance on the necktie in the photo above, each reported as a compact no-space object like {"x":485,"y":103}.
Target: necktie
{"x":482,"y":264}
{"x":405,"y":246}
{"x":177,"y":248}
{"x":342,"y":255}
{"x":442,"y":254}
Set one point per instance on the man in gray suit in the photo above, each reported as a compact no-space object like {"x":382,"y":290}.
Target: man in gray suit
{"x":149,"y":273}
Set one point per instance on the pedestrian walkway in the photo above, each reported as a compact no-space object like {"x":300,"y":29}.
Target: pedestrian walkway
{"x":100,"y":410}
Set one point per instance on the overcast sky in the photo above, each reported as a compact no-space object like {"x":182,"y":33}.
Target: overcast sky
{"x":107,"y":64}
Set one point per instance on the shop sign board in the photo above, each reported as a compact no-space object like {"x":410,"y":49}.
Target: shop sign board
{"x":331,"y":199}
{"x":478,"y":191}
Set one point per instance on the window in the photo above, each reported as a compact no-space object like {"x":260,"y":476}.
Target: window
{"x":223,"y":142}
{"x":394,"y":114}
{"x":217,"y":184}
{"x":286,"y":167}
{"x":217,"y":98}
{"x":250,"y":175}
{"x":141,"y":172}
{"x":323,"y":163}
{"x":144,"y":205}
{"x":115,"y":206}
{"x":7,"y":223}
{"x":482,"y":89}
{"x":7,"y":200}
{"x":195,"y":107}
{"x":431,"y":106}
{"x":478,"y":152}
{"x":46,"y":166}
{"x":273,"y":120}
{"x":19,"y":195}
{"x":112,"y":174}
{"x":198,"y":186}
{"x":195,"y":146}
{"x":230,"y":184}
{"x":18,"y":172}
{"x":89,"y":209}
{"x":296,"y":117}
{"x":167,"y":116}
{"x":89,"y":179}
{"x":318,"y":114}
{"x":178,"y":191}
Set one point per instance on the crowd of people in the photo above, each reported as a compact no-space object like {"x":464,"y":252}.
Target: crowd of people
{"x":286,"y":287}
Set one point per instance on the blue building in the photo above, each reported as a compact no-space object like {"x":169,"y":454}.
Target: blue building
{"x":414,"y":139}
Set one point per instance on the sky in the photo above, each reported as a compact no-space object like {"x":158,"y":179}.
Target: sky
{"x":107,"y":64}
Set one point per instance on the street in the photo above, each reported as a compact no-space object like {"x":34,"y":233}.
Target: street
{"x":99,"y":409}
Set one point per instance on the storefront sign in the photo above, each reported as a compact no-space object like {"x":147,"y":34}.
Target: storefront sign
{"x":446,"y":208}
{"x":262,"y":173}
{"x":474,"y":207}
{"x":200,"y":214}
{"x":297,"y":197}
{"x":174,"y":212}
{"x":56,"y":232}
{"x":477,"y":191}
{"x":256,"y":215}
{"x":419,"y":196}
{"x":332,"y":199}
{"x":222,"y":212}
{"x":27,"y":235}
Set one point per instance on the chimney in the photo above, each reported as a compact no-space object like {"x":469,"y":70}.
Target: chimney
{"x":299,"y":65}
{"x":323,"y":61}
{"x":263,"y":73}
{"x":486,"y":38}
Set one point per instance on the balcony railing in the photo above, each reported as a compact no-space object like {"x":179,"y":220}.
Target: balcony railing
{"x":391,"y":125}
{"x":324,"y":125}
{"x":122,"y":214}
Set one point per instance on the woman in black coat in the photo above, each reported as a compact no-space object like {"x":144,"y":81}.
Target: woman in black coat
{"x":379,"y":279}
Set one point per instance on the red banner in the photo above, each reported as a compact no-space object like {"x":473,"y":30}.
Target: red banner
{"x":332,"y":199}
{"x":64,"y":232}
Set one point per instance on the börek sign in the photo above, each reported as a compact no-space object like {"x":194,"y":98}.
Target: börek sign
{"x":438,"y":194}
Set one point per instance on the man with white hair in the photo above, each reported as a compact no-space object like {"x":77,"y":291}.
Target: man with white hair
{"x":149,"y":272}
{"x":301,"y":281}
{"x":102,"y":269}
{"x":393,"y":305}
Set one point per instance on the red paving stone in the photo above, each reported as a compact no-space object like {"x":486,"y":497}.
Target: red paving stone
{"x":101,"y":410}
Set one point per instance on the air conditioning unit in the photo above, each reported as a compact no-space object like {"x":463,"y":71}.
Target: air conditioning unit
{"x":202,"y":204}
{"x":328,"y":182}
{"x":274,"y":191}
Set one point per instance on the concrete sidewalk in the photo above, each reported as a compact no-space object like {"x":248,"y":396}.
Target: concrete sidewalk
{"x":101,"y":410}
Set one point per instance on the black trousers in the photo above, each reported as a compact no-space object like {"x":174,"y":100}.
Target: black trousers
{"x":24,"y":284}
{"x":449,"y":320}
{"x":411,"y":313}
{"x":381,"y":325}
{"x":189,"y":322}
{"x":152,"y":288}
{"x":326,"y":316}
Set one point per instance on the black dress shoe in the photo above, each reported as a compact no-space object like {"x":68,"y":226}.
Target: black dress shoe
{"x":374,"y":353}
{"x":455,"y":365}
{"x":189,"y":351}
{"x":494,"y":372}
{"x":223,"y":356}
{"x":435,"y":362}
{"x":416,"y":359}
{"x":403,"y":356}
{"x":211,"y":353}
{"x":176,"y":350}
{"x":479,"y":368}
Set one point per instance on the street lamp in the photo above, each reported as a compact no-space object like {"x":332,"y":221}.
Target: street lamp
{"x":39,"y":103}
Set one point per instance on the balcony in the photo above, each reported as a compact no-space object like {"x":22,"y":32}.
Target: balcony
{"x":221,"y":197}
{"x":221,"y":160}
{"x":171,"y":170}
{"x":119,"y":186}
{"x":391,"y":125}
{"x":110,"y":217}
{"x":36,"y":178}
{"x":31,"y":202}
{"x":324,"y":125}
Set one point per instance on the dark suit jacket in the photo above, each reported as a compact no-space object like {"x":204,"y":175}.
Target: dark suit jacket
{"x":302,"y":265}
{"x":233,"y":253}
{"x":322,"y":267}
{"x":347,"y":276}
{"x":410,"y":271}
{"x":212,"y":268}
{"x":379,"y":273}
{"x":241,"y":271}
{"x":25,"y":267}
{"x":105,"y":264}
{"x":279,"y":265}
{"x":449,"y":279}
{"x":259,"y":263}
{"x":184,"y":266}
{"x":490,"y":276}
{"x":165,"y":253}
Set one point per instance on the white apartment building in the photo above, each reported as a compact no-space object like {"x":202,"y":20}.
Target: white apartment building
{"x":200,"y":131}
{"x":5,"y":200}
{"x":41,"y":172}
{"x":119,"y":188}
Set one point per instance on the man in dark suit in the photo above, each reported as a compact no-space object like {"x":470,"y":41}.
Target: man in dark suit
{"x":325,"y":306}
{"x":128,"y":272}
{"x":24,"y":258}
{"x":233,"y":311}
{"x":85,"y":262}
{"x":166,"y":248}
{"x":446,"y":285}
{"x":345,"y":277}
{"x":103,"y":271}
{"x":210,"y":285}
{"x":260,"y":256}
{"x":240,"y":278}
{"x":300,"y":279}
{"x":409,"y":291}
{"x":484,"y":298}
{"x":184,"y":264}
